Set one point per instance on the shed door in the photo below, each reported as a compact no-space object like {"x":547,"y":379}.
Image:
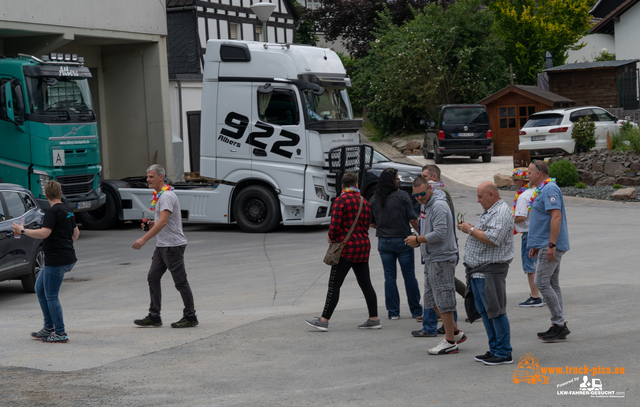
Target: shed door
{"x":511,"y":120}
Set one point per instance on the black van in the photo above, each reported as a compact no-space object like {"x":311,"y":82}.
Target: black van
{"x":458,"y":130}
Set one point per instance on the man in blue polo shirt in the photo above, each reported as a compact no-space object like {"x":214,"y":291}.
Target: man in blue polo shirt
{"x":548,"y":240}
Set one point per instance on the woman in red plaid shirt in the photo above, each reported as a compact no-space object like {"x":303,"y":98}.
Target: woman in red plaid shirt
{"x":355,"y":254}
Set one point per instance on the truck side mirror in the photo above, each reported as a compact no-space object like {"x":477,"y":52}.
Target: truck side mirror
{"x":14,"y":108}
{"x":319,"y":91}
{"x":8,"y":97}
{"x":432,"y":124}
{"x":423,"y":122}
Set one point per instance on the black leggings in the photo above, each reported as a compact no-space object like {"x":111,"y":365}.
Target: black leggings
{"x":338,"y":274}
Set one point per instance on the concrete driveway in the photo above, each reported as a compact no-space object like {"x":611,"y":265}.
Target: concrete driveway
{"x":252,"y":292}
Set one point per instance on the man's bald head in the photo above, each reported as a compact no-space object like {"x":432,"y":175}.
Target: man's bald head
{"x":488,"y":194}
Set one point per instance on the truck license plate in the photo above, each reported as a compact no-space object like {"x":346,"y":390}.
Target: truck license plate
{"x":84,"y":205}
{"x":538,"y":138}
{"x":466,"y":134}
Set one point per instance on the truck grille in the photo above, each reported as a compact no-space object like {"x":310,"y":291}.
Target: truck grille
{"x":73,"y":185}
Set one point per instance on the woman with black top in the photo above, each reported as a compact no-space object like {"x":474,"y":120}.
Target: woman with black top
{"x":355,"y":254}
{"x":59,"y":232}
{"x":392,"y":216}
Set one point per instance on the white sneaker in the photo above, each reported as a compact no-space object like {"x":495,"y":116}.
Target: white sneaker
{"x":461,"y":337}
{"x":443,"y":348}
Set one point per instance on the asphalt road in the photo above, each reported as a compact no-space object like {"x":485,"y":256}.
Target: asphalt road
{"x":252,"y":292}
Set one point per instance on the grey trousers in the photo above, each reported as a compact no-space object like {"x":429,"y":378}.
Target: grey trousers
{"x":171,"y":258}
{"x":548,"y":282}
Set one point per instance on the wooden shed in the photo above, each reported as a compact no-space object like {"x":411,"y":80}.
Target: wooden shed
{"x":608,"y":84}
{"x":510,"y":108}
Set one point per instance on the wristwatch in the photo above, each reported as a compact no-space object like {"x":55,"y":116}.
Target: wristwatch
{"x":22,"y":231}
{"x":471,"y":231}
{"x":551,"y":245}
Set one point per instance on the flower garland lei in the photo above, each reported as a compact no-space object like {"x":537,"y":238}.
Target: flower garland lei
{"x":350,"y":189}
{"x":537,"y":191}
{"x":156,"y":196}
{"x":520,"y":191}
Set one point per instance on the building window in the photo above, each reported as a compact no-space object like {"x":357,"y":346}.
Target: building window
{"x":507,"y":117}
{"x":257,"y":33}
{"x":233,"y":31}
{"x":524,"y":113}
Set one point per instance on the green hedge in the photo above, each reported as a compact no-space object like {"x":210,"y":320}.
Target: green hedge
{"x":564,"y":172}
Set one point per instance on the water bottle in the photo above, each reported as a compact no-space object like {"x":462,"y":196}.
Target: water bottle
{"x":145,"y":221}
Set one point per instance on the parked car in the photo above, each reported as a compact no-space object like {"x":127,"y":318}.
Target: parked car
{"x":21,"y":258}
{"x":407,"y":173}
{"x":458,"y":130}
{"x":548,"y":133}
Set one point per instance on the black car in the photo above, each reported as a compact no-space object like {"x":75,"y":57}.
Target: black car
{"x":458,"y":130}
{"x":21,"y":258}
{"x":406,"y":173}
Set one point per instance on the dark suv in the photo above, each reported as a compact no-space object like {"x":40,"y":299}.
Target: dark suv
{"x":19,"y":258}
{"x":458,"y":130}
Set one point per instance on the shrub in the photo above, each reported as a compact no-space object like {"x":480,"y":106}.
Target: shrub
{"x":584,"y":134}
{"x":564,"y":172}
{"x":627,"y":140}
{"x":618,"y":186}
{"x":581,"y":185}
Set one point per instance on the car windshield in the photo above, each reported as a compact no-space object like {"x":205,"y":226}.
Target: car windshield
{"x":464,"y":115}
{"x":541,"y":120}
{"x":333,"y":104}
{"x":379,"y":158}
{"x":53,"y":95}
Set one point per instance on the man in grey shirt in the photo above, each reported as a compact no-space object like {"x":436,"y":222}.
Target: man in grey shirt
{"x":439,"y":249}
{"x":169,"y":253}
{"x":487,"y":254}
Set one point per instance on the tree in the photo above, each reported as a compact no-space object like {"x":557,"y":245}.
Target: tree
{"x":530,"y":28}
{"x":354,"y":21}
{"x":306,"y":32}
{"x":439,"y":56}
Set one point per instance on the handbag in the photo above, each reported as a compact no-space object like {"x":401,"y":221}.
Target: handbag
{"x":335,"y":249}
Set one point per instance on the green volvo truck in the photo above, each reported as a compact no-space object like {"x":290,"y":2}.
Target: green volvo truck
{"x":48,"y":128}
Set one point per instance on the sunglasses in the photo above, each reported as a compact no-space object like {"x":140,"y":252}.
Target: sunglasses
{"x":423,"y":193}
{"x":535,"y":162}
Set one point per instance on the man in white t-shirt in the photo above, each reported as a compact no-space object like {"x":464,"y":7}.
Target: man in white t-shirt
{"x":521,"y":208}
{"x":169,"y":253}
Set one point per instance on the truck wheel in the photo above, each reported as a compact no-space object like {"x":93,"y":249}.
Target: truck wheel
{"x":486,"y":158}
{"x":425,"y":152}
{"x":439,"y":158}
{"x":105,"y":217}
{"x":29,"y":281}
{"x":256,"y":210}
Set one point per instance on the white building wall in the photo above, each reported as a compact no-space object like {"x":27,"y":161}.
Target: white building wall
{"x":141,"y":16}
{"x":191,"y":100}
{"x":594,"y":45}
{"x":628,"y":33}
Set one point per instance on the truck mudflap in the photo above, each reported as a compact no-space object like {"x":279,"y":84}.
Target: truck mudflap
{"x":199,"y":205}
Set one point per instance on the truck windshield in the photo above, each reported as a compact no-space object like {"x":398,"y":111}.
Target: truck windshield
{"x":333,"y":104}
{"x":53,"y":95}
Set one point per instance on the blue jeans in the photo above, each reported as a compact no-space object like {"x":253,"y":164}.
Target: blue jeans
{"x":47,"y":288}
{"x":392,"y":249}
{"x":498,"y":329}
{"x":430,"y":320}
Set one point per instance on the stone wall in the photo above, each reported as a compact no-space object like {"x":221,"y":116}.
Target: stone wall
{"x":602,"y":167}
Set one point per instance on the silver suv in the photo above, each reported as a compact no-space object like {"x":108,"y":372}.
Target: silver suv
{"x":548,"y":133}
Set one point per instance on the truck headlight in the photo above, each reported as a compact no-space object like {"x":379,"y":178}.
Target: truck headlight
{"x":43,"y":180}
{"x":321,"y":194}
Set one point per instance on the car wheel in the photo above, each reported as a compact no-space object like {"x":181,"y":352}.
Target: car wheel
{"x":29,"y":281}
{"x":102,"y":218}
{"x":486,"y":158}
{"x":256,"y":209}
